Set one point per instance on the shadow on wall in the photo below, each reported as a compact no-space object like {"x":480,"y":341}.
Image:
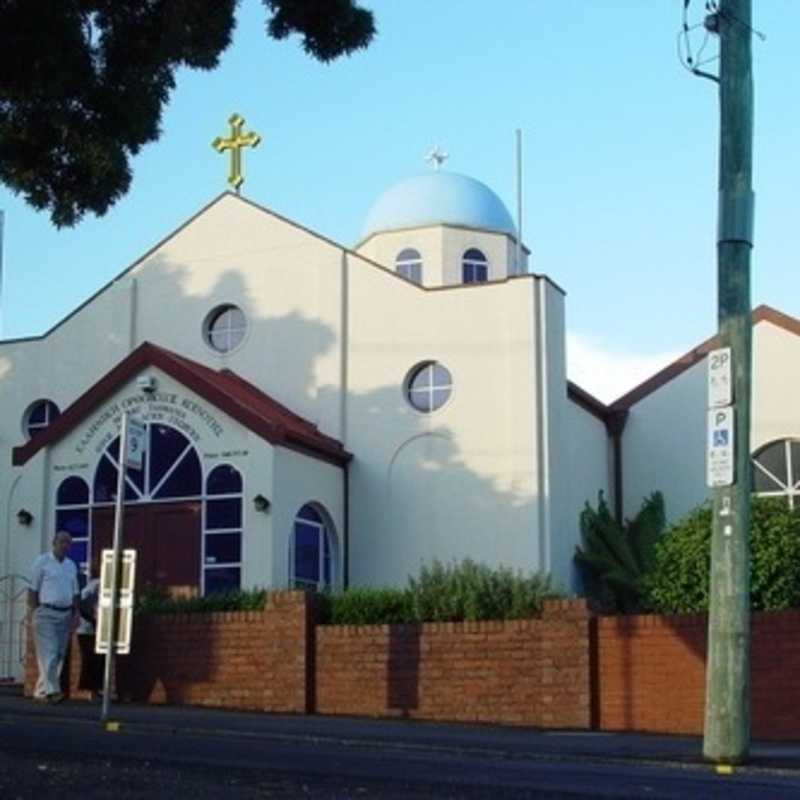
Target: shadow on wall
{"x":421,"y":478}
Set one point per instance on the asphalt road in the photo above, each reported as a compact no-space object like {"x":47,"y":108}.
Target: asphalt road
{"x":53,"y":758}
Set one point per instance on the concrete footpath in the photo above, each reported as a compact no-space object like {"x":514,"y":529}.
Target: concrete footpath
{"x":508,"y":742}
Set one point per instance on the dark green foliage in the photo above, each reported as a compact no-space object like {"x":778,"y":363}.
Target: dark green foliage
{"x":83,"y":83}
{"x":465,"y":591}
{"x":452,"y":593}
{"x":364,"y":606}
{"x":679,"y":580}
{"x":154,"y":601}
{"x":329,"y":27}
{"x":614,"y":557}
{"x":469,"y":591}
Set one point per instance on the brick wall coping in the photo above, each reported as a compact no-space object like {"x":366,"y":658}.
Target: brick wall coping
{"x":638,"y":621}
{"x":789,"y":617}
{"x":552,"y":611}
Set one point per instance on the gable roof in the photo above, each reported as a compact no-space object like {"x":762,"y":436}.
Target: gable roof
{"x":225,"y":390}
{"x":762,"y":313}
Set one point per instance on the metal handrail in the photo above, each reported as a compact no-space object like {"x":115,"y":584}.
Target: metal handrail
{"x":9,"y":597}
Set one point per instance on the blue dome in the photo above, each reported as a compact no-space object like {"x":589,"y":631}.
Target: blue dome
{"x":437,"y":198}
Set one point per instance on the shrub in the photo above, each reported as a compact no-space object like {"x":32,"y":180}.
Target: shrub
{"x":470,"y":591}
{"x":157,"y":601}
{"x":679,"y":579}
{"x":364,"y":606}
{"x":614,"y":558}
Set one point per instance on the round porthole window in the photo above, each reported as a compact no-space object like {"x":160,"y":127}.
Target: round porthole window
{"x":429,"y":386}
{"x":224,"y":328}
{"x":39,"y":416}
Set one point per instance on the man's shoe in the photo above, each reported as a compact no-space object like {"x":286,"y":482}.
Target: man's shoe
{"x":54,"y":698}
{"x":40,"y":698}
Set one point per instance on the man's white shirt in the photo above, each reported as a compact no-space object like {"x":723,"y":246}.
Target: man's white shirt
{"x":55,"y":581}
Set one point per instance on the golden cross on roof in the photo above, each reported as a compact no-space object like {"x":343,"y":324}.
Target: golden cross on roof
{"x":235,"y":142}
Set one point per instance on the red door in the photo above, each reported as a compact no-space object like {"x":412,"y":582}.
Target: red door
{"x":167,"y":540}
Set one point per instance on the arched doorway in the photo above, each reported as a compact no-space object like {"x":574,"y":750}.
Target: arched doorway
{"x":163,"y":511}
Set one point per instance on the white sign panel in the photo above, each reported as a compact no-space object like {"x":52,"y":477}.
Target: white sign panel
{"x":127,"y":580}
{"x":137,"y":440}
{"x":720,"y":382}
{"x":719,"y":465}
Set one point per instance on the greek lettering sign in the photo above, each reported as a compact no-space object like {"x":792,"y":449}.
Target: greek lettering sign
{"x":124,"y":626}
{"x":720,"y":384}
{"x":137,"y":442}
{"x":720,"y":454}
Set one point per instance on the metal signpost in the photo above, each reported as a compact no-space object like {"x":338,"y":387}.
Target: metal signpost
{"x":131,"y":448}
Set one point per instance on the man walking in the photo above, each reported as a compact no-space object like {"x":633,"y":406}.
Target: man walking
{"x":53,"y":603}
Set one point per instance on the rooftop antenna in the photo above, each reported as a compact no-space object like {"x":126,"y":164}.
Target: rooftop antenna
{"x":437,"y":157}
{"x":519,"y":265}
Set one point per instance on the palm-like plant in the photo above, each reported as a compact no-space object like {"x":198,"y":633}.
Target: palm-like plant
{"x":614,"y":557}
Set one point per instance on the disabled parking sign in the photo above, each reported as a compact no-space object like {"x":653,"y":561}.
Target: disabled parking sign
{"x":720,"y":451}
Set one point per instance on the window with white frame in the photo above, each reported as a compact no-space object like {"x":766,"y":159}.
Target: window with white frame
{"x":72,"y":516}
{"x":776,"y":470}
{"x":311,"y":552}
{"x":170,"y":469}
{"x":39,"y":415}
{"x":222,"y":530}
{"x":409,"y":264}
{"x":224,"y":328}
{"x":474,"y":266}
{"x":429,"y":386}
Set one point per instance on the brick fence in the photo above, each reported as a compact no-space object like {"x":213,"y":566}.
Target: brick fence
{"x":650,"y":673}
{"x":528,"y":672}
{"x":563,"y":670}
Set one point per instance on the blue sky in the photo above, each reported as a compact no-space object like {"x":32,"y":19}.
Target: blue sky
{"x":620,"y":160}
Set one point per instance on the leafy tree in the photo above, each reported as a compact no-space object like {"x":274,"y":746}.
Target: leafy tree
{"x":614,"y":558}
{"x":679,"y":579}
{"x":83,"y":83}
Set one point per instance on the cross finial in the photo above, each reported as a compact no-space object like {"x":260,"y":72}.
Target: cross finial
{"x":437,"y":157}
{"x":235,"y":142}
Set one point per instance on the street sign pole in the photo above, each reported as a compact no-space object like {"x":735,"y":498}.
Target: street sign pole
{"x":108,"y":673}
{"x":727,"y":714}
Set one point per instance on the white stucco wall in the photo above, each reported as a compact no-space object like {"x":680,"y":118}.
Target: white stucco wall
{"x":333,"y":337}
{"x":776,"y":382}
{"x":588,"y":461}
{"x":461,"y":481}
{"x":664,"y":444}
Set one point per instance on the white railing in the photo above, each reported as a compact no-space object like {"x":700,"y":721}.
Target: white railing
{"x":13,"y":627}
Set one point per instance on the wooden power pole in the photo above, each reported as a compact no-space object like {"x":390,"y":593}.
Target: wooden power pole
{"x":727,"y":715}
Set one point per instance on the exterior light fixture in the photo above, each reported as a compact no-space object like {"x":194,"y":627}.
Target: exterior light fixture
{"x":24,"y":517}
{"x":260,"y":503}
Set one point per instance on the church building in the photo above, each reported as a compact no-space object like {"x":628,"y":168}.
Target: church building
{"x":321,"y":416}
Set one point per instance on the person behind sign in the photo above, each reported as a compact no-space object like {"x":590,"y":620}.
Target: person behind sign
{"x":91,"y":677}
{"x":53,"y":609}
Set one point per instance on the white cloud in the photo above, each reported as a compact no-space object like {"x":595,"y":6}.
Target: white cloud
{"x":608,"y":374}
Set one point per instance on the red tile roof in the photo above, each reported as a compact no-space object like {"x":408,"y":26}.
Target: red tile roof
{"x":228,"y":392}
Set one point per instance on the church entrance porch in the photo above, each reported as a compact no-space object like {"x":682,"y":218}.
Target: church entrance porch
{"x":185,"y":526}
{"x":167,"y":538}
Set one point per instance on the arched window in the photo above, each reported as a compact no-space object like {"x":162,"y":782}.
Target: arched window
{"x":72,"y":516}
{"x":474,"y":267}
{"x":222,"y":530}
{"x":409,"y":264}
{"x":776,"y":470}
{"x":311,"y":552}
{"x":170,"y":469}
{"x":428,"y":386}
{"x":39,"y":416}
